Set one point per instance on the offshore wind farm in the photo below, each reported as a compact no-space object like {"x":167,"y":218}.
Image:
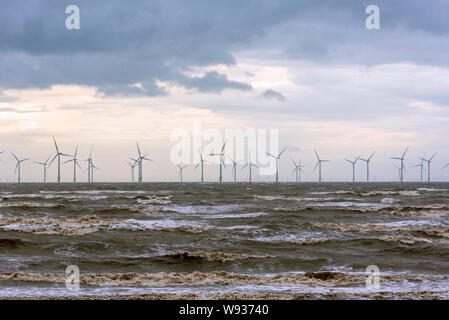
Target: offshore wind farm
{"x":136,"y":161}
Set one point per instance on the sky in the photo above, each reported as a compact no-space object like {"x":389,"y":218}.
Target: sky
{"x":138,"y":71}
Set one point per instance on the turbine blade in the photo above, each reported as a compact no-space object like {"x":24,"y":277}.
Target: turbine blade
{"x":317,"y":156}
{"x":138,"y":149}
{"x":403,"y":155}
{"x":52,"y":160}
{"x":283,"y":150}
{"x":56,"y":145}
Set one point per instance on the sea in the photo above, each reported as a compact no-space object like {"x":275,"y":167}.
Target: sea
{"x":224,"y":241}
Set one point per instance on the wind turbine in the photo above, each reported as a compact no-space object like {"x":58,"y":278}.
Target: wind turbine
{"x":276,"y":159}
{"x":75,"y":163}
{"x":428,"y":165}
{"x":221,"y":155}
{"x":44,"y":164}
{"x":234,"y":168}
{"x":132,"y":166}
{"x":89,"y":166}
{"x":367,"y":165}
{"x":421,"y":166}
{"x":297,"y":170}
{"x":202,"y":161}
{"x":180,"y":170}
{"x":18,"y":165}
{"x":353,"y":162}
{"x":249,"y":164}
{"x":139,"y":161}
{"x":58,"y":155}
{"x":318,"y":164}
{"x":401,"y":178}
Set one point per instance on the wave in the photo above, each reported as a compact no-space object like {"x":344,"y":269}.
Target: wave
{"x":236,"y":295}
{"x":372,"y":193}
{"x":90,"y":224}
{"x":213,"y":256}
{"x":29,"y":204}
{"x":429,"y":229}
{"x":321,"y":279}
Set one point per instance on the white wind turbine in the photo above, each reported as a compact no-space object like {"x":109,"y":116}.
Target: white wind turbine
{"x":89,"y":165}
{"x":18,"y":165}
{"x":367,"y":165}
{"x":234,"y":168}
{"x":221,"y":155}
{"x":132,"y":166}
{"x":428,"y":165}
{"x":318,"y":164}
{"x":353,"y":163}
{"x":139,"y":161}
{"x":180,"y":171}
{"x":277,"y":162}
{"x":401,"y":178}
{"x":75,"y":163}
{"x":202,"y":161}
{"x":249,"y":164}
{"x":58,"y":155}
{"x":421,"y":166}
{"x":297,"y":170}
{"x":44,"y":164}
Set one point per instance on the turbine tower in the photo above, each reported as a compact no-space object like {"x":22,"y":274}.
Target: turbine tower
{"x":428,"y":165}
{"x":297,"y":170}
{"x":221,"y":155}
{"x":89,"y":166}
{"x":140,"y":159}
{"x":234,"y":169}
{"x":180,"y":171}
{"x":18,"y":165}
{"x":402,"y":167}
{"x":58,"y":155}
{"x":276,"y":159}
{"x":353,"y":162}
{"x":202,"y":161}
{"x":44,"y":164}
{"x":249,"y":164}
{"x":421,"y":166}
{"x":132,"y":166}
{"x":75,"y":163}
{"x":318,"y":164}
{"x":367,"y":165}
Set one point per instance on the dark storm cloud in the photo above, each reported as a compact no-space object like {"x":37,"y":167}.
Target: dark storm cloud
{"x":123,"y":43}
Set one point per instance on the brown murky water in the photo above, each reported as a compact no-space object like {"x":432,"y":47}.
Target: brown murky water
{"x":213,"y":241}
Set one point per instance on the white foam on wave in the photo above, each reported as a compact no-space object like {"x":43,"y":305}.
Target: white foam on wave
{"x":235,"y":216}
{"x":160,"y":224}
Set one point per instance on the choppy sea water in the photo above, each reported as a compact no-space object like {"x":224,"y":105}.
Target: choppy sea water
{"x":234,"y":241}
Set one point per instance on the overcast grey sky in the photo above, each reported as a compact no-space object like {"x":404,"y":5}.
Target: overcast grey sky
{"x":138,"y":70}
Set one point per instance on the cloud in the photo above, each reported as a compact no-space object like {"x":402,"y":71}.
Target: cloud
{"x":151,"y":41}
{"x":213,"y":82}
{"x":271,"y":94}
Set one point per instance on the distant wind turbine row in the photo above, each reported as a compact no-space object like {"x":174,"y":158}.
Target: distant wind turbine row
{"x":298,"y":166}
